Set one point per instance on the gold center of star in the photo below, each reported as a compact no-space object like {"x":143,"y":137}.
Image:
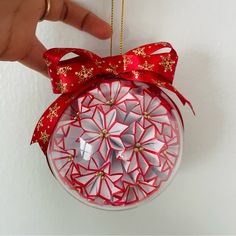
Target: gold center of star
{"x":146,"y":115}
{"x":138,"y":147}
{"x":110,"y":102}
{"x":104,"y":133}
{"x":76,"y":116}
{"x":100,"y":174}
{"x":70,"y":158}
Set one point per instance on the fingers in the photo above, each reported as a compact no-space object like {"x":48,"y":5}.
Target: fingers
{"x":34,"y":58}
{"x":83,"y":19}
{"x":71,"y":13}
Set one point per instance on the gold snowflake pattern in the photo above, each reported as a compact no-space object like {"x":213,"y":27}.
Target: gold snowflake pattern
{"x":99,"y":63}
{"x":146,"y":66}
{"x":159,"y":83}
{"x":63,"y":70}
{"x":127,"y":61}
{"x":40,"y":124}
{"x":44,"y":137}
{"x":53,"y":112}
{"x":61,"y":87}
{"x":139,"y":52}
{"x":112,"y":69}
{"x":164,"y":44}
{"x":85,"y":74}
{"x":47,"y":62}
{"x":167,"y":63}
{"x":136,"y":74}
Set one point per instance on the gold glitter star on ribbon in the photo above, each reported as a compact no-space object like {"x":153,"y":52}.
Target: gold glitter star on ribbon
{"x":136,"y":74}
{"x":159,"y":83}
{"x":47,"y":62}
{"x":61,"y":87}
{"x":40,"y":124}
{"x":99,"y":63}
{"x":112,"y":69}
{"x":167,"y":63}
{"x":63,"y":70}
{"x":44,"y":137}
{"x":53,"y":112}
{"x":139,"y":52}
{"x":146,"y":66}
{"x":84,"y":74}
{"x":127,"y":61}
{"x":163,"y":44}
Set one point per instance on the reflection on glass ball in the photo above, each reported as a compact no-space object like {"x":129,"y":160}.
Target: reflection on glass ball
{"x":117,"y":145}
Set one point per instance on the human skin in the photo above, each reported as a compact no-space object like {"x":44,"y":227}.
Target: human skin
{"x":19,"y":20}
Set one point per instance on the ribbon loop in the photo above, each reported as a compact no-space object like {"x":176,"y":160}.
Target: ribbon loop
{"x":150,"y":49}
{"x":53,"y":56}
{"x":68,"y":75}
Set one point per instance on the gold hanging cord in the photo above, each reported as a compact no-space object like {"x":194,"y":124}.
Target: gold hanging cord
{"x":121,"y":25}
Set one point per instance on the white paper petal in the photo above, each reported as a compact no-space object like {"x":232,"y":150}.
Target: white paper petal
{"x":110,"y":118}
{"x":89,"y":125}
{"x":116,"y":143}
{"x":148,"y":134}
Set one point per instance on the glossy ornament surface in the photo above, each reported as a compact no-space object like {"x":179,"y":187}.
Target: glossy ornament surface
{"x":117,"y":145}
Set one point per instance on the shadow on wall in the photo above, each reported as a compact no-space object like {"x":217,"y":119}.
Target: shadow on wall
{"x":202,"y":134}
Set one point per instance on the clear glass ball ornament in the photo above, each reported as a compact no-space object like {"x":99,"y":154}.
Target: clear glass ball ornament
{"x":117,"y":145}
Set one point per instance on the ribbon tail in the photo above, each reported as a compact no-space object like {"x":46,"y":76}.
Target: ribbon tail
{"x":183,"y":100}
{"x":47,"y":123}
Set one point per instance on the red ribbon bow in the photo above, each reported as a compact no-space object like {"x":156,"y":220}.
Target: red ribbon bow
{"x":72,"y":76}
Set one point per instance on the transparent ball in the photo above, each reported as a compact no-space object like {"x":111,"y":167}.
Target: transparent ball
{"x":117,"y":145}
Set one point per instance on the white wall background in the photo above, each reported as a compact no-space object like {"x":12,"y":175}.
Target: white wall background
{"x":202,"y":198}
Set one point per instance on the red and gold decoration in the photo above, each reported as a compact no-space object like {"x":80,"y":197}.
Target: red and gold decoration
{"x":114,"y":137}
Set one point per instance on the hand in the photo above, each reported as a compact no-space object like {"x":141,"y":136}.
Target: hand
{"x":19,"y":19}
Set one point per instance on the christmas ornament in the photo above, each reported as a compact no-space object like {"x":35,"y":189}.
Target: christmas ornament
{"x":114,"y":137}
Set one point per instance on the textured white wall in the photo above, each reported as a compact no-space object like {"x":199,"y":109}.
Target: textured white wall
{"x":202,"y":198}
